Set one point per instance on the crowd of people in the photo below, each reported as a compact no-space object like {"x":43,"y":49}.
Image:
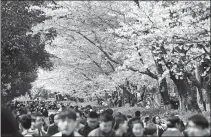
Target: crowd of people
{"x":34,"y":119}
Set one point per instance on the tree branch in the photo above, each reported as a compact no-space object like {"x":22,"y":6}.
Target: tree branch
{"x":54,"y":2}
{"x":99,"y":47}
{"x":111,"y":65}
{"x":86,"y":77}
{"x":147,"y":72}
{"x":206,"y":50}
{"x":98,"y":66}
{"x":106,"y":54}
{"x":194,"y":58}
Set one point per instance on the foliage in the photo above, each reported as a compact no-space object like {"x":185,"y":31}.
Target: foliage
{"x":101,"y":44}
{"x":22,"y":53}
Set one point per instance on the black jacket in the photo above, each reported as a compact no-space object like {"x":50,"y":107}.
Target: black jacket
{"x":84,"y":131}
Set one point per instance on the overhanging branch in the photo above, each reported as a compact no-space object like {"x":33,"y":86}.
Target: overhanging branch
{"x":99,"y":47}
{"x":147,"y":72}
{"x":86,"y":77}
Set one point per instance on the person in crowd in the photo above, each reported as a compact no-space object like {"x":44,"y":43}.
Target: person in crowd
{"x":146,"y":121}
{"x":161,"y":126}
{"x":121,"y":125}
{"x":9,"y":126}
{"x":181,"y":126}
{"x":136,"y":128}
{"x":173,"y":127}
{"x":78,"y":120}
{"x":129,"y":117}
{"x":92,"y":123}
{"x":52,"y":128}
{"x":37,"y":124}
{"x":150,"y":130}
{"x":105,"y":128}
{"x":198,"y":125}
{"x":109,"y":111}
{"x":83,"y":118}
{"x":61,"y":107}
{"x":56,"y":119}
{"x":25,"y":124}
{"x":45,"y":112}
{"x":137,"y":114}
{"x":45,"y":124}
{"x":66,"y":124}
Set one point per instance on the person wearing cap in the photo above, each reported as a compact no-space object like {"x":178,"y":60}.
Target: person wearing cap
{"x":92,"y":123}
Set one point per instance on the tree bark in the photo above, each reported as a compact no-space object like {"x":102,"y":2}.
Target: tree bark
{"x":163,"y":89}
{"x":164,"y":92}
{"x":198,"y":83}
{"x":188,"y":95}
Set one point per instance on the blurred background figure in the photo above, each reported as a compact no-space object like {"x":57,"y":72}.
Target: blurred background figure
{"x":9,"y":126}
{"x":197,"y":125}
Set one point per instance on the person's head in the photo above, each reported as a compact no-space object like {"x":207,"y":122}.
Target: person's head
{"x":129,"y":117}
{"x":197,"y":126}
{"x":174,"y":122}
{"x":25,"y":122}
{"x":66,"y":121}
{"x":121,"y":123}
{"x":37,"y":120}
{"x":137,"y":127}
{"x":109,"y":111}
{"x":137,"y":113}
{"x":119,"y":113}
{"x":106,"y":122}
{"x":150,"y":129}
{"x":92,"y":119}
{"x":147,"y":119}
{"x":51,"y":118}
{"x":156,"y":120}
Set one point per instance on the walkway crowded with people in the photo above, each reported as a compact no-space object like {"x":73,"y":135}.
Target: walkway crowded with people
{"x":105,"y":68}
{"x":35,"y":120}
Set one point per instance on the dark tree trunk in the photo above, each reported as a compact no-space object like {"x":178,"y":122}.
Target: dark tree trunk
{"x":188,"y":95}
{"x":163,"y":89}
{"x":164,"y":92}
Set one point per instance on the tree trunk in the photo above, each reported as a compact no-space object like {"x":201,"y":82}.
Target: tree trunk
{"x":164,"y":92}
{"x":188,"y":95}
{"x":208,"y":89}
{"x":192,"y":100}
{"x":201,"y":98}
{"x":163,"y":89}
{"x":198,"y":82}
